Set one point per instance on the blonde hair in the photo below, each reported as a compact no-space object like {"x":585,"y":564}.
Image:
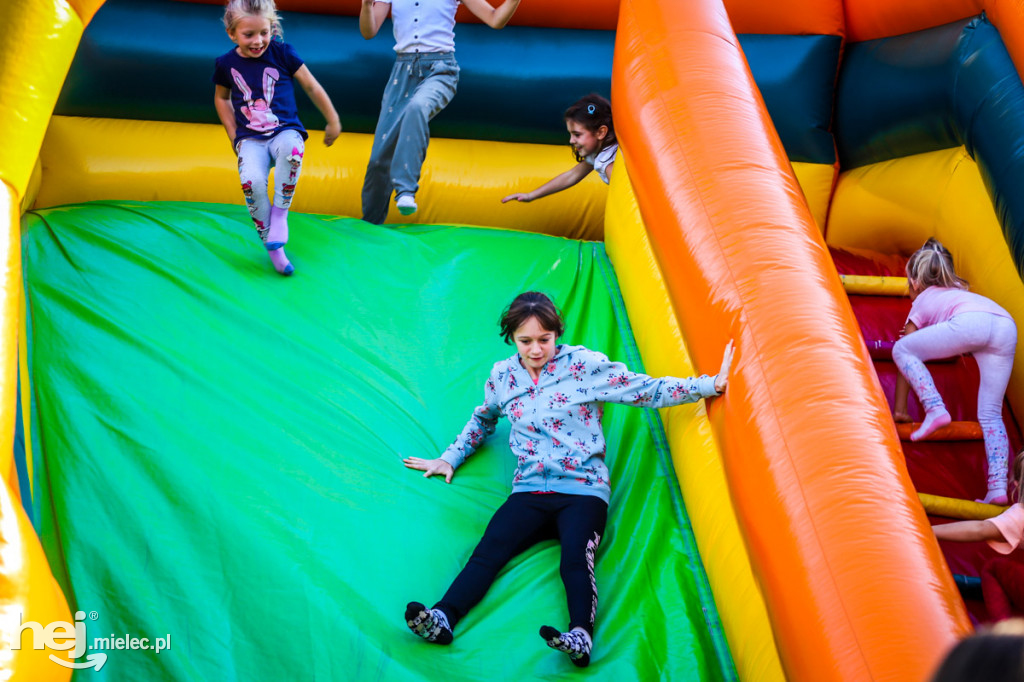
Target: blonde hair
{"x":236,"y":10}
{"x":932,"y":265}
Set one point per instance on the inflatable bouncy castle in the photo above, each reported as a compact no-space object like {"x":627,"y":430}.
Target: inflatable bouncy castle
{"x":202,"y":453}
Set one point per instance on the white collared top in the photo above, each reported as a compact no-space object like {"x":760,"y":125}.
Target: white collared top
{"x":602,"y":159}
{"x":423,"y":25}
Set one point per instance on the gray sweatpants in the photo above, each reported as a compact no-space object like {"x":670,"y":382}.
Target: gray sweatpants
{"x":255,"y":155}
{"x":420,"y":86}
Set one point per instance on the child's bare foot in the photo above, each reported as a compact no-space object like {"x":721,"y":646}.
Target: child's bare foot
{"x":901,"y":417}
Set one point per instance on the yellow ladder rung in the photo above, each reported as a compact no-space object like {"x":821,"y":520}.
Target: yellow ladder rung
{"x":952,"y":431}
{"x":871,"y":285}
{"x":952,"y":508}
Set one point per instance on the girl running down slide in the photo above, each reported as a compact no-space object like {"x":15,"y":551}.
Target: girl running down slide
{"x":552,"y":394}
{"x":255,"y":101}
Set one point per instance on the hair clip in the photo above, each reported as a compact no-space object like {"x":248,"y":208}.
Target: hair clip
{"x":591,"y":109}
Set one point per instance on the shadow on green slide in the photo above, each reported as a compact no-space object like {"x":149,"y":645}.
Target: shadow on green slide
{"x":218,"y":450}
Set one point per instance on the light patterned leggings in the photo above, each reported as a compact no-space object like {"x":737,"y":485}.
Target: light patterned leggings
{"x":255,"y":156}
{"x":992,"y":340}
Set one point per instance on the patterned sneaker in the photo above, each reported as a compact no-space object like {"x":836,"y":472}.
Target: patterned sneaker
{"x":406,"y":204}
{"x":430,"y":624}
{"x":575,"y":643}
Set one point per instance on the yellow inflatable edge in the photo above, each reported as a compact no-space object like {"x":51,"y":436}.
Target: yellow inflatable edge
{"x":92,"y":158}
{"x":697,"y":460}
{"x":40,"y":39}
{"x":816,"y":180}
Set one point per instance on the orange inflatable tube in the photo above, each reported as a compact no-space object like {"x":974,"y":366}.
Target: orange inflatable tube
{"x":787,"y":17}
{"x":837,"y":537}
{"x":870,"y":19}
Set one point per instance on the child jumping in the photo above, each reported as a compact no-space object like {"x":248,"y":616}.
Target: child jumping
{"x":255,"y":100}
{"x":946,"y":320}
{"x":592,"y":138}
{"x":422,"y":83}
{"x":552,"y":394}
{"x":1002,"y":579}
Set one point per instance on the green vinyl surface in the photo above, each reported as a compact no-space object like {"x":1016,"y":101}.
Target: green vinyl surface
{"x":218,"y":450}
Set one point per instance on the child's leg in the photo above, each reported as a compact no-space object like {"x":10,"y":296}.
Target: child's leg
{"x":1002,"y":586}
{"x":439,"y":80}
{"x":581,"y":524}
{"x":911,"y":352}
{"x":580,"y":528}
{"x":899,"y":403}
{"x":254,"y":172}
{"x":519,"y":523}
{"x":377,"y":181}
{"x":287,"y":149}
{"x":994,"y":365}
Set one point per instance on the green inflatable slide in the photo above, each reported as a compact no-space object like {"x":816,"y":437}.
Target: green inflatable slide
{"x":218,"y":451}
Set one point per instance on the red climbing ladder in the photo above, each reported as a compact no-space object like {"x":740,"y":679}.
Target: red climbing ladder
{"x":951,"y":463}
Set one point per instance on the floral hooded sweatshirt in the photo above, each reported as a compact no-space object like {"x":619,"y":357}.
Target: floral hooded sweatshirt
{"x":556,"y":424}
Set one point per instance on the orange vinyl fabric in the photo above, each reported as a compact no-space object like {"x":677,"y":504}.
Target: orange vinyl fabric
{"x":588,"y":14}
{"x":85,"y":9}
{"x":870,"y":19}
{"x":786,"y":17}
{"x":839,"y":542}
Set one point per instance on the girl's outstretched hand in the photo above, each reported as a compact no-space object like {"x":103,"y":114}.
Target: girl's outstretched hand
{"x":331,"y":132}
{"x":722,"y":380}
{"x":525,"y":198}
{"x":431,"y":467}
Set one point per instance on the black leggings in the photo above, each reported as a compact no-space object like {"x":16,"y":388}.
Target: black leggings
{"x":525,"y":519}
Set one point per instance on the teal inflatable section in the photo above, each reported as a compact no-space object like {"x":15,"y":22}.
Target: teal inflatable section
{"x":945,"y":87}
{"x":797,"y":76}
{"x":514,"y":84}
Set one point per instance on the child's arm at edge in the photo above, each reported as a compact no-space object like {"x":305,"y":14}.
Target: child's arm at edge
{"x":968,"y":531}
{"x":495,"y":17}
{"x":431,"y":467}
{"x":480,"y":426}
{"x":371,"y":17}
{"x":319,"y":97}
{"x":615,"y":383}
{"x":556,"y":184}
{"x":722,"y":378}
{"x":225,"y":112}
